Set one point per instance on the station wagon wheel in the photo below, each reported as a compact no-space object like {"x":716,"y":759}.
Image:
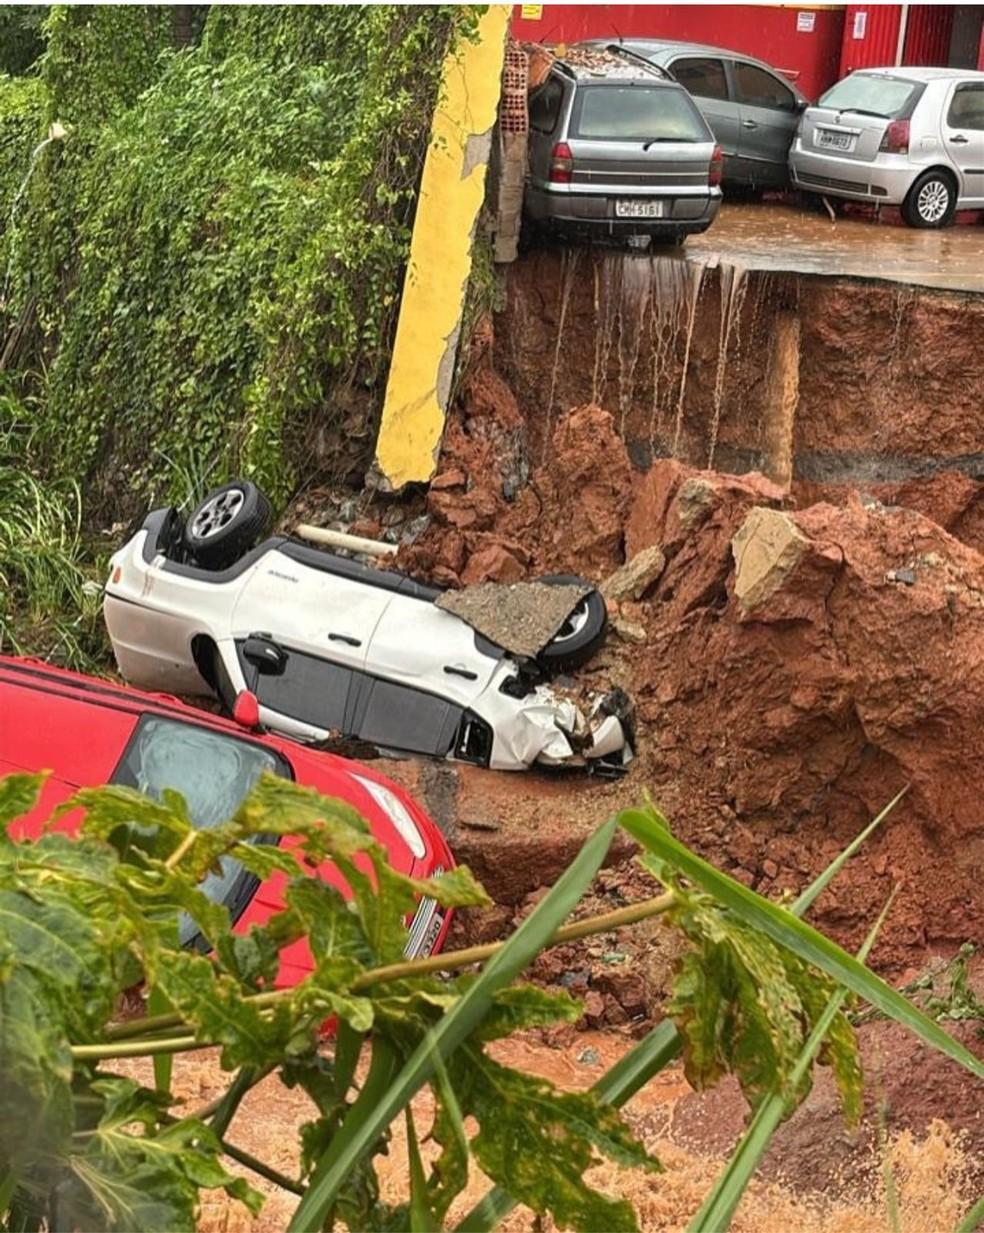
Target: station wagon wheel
{"x":226,"y":524}
{"x":931,"y":202}
{"x":582,"y":633}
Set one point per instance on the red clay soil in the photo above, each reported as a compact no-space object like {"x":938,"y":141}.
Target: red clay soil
{"x":770,"y":736}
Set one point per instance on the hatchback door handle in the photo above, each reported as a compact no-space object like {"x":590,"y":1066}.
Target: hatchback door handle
{"x":959,"y":140}
{"x":345,"y":638}
{"x":749,"y":124}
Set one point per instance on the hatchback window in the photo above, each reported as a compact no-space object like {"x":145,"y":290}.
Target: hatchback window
{"x":866,"y":94}
{"x":545,"y":106}
{"x":702,"y":76}
{"x":967,"y":107}
{"x":761,"y":89}
{"x":637,"y":113}
{"x":213,"y":772}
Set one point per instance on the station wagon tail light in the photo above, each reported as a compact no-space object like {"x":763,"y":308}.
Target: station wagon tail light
{"x":896,"y":139}
{"x":561,"y":163}
{"x":717,"y":168}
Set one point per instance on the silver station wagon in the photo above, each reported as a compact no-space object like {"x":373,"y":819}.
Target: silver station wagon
{"x":619,"y":148}
{"x":910,"y":137}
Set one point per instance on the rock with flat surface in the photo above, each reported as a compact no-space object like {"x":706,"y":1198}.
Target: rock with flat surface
{"x":636,"y":576}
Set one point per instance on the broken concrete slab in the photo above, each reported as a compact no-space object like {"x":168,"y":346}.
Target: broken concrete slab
{"x":521,"y":617}
{"x":767,"y":548}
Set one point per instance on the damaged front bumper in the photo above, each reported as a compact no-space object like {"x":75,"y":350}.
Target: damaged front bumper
{"x":553,"y":728}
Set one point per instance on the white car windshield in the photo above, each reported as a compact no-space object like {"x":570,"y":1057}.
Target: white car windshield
{"x":869,"y":94}
{"x":212,"y":771}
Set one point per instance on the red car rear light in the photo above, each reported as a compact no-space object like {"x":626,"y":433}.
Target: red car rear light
{"x":896,"y":139}
{"x":717,"y":168}
{"x":561,"y":163}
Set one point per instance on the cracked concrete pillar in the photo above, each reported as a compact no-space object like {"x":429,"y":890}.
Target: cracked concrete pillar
{"x":452,"y":190}
{"x":782,"y":398}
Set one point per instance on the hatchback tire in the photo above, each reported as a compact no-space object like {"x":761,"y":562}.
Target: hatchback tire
{"x":581,"y":634}
{"x":228,"y":522}
{"x":931,"y":202}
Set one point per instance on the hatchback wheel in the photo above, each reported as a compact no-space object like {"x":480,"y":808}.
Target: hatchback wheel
{"x":931,"y":202}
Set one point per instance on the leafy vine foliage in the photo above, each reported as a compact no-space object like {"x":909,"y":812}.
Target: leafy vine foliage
{"x":207,"y":265}
{"x":83,"y":919}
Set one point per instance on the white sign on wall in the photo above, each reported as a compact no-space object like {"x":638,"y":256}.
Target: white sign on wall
{"x":860,"y":23}
{"x":805,"y":22}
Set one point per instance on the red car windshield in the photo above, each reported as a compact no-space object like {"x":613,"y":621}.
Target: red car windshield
{"x":213,"y":772}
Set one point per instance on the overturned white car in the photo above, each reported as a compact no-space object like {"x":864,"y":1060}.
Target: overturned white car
{"x":335,"y":649}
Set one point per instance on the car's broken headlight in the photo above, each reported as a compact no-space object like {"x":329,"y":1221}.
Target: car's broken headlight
{"x":397,"y":813}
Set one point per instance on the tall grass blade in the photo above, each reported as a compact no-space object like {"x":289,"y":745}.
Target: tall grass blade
{"x":788,"y":931}
{"x":973,"y":1220}
{"x":800,"y":906}
{"x":716,"y":1211}
{"x":359,"y":1133}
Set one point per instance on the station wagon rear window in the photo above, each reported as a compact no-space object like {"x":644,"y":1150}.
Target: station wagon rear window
{"x":636,"y":113}
{"x":867,"y":94}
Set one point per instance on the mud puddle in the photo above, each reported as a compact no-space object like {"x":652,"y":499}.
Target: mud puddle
{"x":930,"y":1169}
{"x":791,"y":238}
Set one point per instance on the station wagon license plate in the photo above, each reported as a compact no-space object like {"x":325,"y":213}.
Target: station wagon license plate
{"x":639,"y":209}
{"x":834,"y":141}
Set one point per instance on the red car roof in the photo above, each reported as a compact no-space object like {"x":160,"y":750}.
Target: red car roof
{"x":78,"y":727}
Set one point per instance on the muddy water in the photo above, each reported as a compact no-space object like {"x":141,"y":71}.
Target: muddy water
{"x":722,"y":360}
{"x":779,"y":237}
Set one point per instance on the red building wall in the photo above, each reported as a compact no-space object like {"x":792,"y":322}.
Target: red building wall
{"x":775,"y":33}
{"x":927,"y":35}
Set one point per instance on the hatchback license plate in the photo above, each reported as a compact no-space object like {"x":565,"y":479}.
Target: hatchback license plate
{"x":639,"y":209}
{"x":834,"y":141}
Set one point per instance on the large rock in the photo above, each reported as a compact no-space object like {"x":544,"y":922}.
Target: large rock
{"x":767,"y":548}
{"x":633,"y":579}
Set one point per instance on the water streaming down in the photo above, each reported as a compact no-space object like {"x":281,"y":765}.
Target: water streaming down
{"x":569,"y":264}
{"x":634,"y":300}
{"x":733,"y":286}
{"x":644,"y":310}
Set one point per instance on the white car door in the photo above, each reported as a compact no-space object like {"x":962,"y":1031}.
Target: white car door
{"x":419,"y":644}
{"x":963,"y":139}
{"x":323,"y":613}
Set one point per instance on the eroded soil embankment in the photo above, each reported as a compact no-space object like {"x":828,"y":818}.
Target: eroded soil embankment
{"x":770,"y":729}
{"x":725,"y":367}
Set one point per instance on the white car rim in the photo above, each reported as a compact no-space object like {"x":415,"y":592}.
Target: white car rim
{"x":933,"y":201}
{"x":574,"y":623}
{"x":216,"y":514}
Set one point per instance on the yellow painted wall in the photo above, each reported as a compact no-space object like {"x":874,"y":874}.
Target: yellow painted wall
{"x":451,"y":194}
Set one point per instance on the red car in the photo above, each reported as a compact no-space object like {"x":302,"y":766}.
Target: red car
{"x":90,"y":732}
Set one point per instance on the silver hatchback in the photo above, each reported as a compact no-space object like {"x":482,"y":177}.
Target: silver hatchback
{"x":617,"y":148}
{"x":911,"y":137}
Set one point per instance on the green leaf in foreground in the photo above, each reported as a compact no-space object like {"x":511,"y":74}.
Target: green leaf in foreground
{"x":18,"y":796}
{"x":361,"y":1132}
{"x":716,"y":1211}
{"x":650,"y":829}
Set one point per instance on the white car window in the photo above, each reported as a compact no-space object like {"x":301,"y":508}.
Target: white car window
{"x":864,"y":92}
{"x":967,"y":107}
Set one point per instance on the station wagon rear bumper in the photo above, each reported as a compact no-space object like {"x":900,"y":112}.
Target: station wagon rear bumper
{"x":686,"y":211}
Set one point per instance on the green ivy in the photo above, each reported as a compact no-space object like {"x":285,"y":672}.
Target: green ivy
{"x":211,"y":259}
{"x":22,"y":107}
